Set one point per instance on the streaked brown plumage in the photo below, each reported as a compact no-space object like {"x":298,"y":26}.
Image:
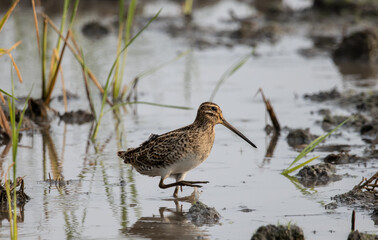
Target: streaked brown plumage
{"x":175,"y":153}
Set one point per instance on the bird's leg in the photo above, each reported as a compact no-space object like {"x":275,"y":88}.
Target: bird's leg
{"x":179,"y":177}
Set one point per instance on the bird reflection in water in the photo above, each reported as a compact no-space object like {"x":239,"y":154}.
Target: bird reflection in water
{"x":171,"y":223}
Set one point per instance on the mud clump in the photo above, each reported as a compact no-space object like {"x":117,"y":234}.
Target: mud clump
{"x":200,"y":214}
{"x":342,"y":158}
{"x":298,"y":137}
{"x":323,"y":95}
{"x":359,"y":46}
{"x":319,"y":174}
{"x":77,"y":117}
{"x":291,"y":232}
{"x":355,"y":235}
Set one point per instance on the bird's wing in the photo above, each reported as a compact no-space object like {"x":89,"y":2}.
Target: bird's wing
{"x":163,"y":151}
{"x":157,"y":151}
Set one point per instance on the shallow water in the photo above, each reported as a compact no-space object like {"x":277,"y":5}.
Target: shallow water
{"x":94,"y":205}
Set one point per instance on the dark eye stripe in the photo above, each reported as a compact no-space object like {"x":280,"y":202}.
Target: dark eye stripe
{"x":213,"y":108}
{"x":211,"y":113}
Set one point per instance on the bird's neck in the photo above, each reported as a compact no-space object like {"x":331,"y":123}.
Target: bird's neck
{"x":204,"y":124}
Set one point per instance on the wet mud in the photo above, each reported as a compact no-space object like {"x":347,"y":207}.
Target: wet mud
{"x":317,"y":175}
{"x":200,"y":214}
{"x":362,"y":196}
{"x":289,"y":232}
{"x":356,"y":235}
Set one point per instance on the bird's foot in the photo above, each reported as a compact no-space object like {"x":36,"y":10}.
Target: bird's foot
{"x":191,"y":183}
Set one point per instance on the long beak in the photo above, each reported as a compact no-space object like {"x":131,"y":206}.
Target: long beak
{"x":229,"y":126}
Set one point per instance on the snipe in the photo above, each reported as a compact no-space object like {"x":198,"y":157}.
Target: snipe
{"x":175,"y":153}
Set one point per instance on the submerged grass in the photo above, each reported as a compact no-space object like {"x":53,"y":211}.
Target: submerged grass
{"x":309,"y":148}
{"x":133,"y":84}
{"x":229,"y":72}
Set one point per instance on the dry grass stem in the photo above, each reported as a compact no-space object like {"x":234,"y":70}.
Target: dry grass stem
{"x":15,"y":67}
{"x":271,"y":112}
{"x":4,"y":123}
{"x":36,"y":26}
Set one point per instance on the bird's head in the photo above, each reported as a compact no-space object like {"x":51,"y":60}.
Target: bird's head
{"x":210,"y":113}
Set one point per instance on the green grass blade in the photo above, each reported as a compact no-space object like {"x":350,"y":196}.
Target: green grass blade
{"x":56,"y":71}
{"x":299,"y":165}
{"x":87,"y":88}
{"x":148,"y":103}
{"x":128,"y":25}
{"x":9,"y":95}
{"x":63,"y":21}
{"x":23,"y":111}
{"x":111,"y":71}
{"x":154,"y":69}
{"x":313,"y":144}
{"x":308,"y":149}
{"x":229,"y":72}
{"x":73,"y":14}
{"x":131,"y":41}
{"x":44,"y":60}
{"x":98,"y":122}
{"x":7,"y":14}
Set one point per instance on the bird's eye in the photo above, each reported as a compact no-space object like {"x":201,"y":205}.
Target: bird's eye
{"x":213,"y":108}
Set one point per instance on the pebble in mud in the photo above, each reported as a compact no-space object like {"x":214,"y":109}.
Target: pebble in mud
{"x":299,"y":136}
{"x":200,"y":214}
{"x":319,"y":174}
{"x":289,"y":232}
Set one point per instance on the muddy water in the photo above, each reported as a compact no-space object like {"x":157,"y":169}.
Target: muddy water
{"x":104,"y":199}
